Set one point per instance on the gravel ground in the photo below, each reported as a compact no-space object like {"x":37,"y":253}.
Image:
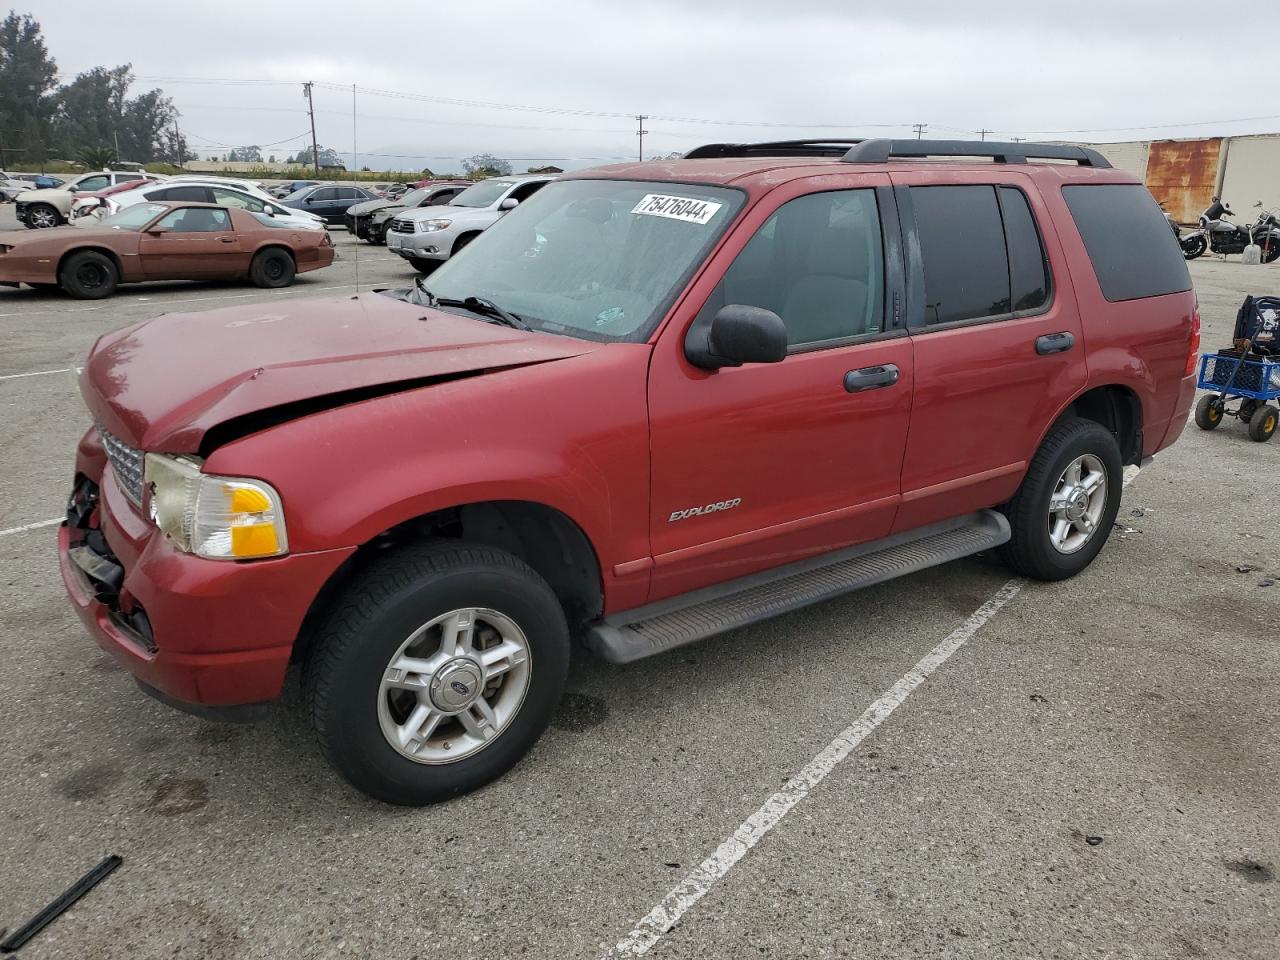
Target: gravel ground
{"x":1094,"y":773}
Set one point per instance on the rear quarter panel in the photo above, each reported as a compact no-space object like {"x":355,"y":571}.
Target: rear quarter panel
{"x":1139,"y":344}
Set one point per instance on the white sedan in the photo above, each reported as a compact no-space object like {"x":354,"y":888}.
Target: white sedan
{"x":201,"y":191}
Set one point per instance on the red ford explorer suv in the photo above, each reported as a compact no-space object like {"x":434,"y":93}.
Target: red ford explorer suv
{"x":657,"y":402}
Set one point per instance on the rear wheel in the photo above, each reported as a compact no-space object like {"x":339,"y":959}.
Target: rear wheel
{"x":436,"y":671}
{"x":1194,"y":246}
{"x":1263,"y":423}
{"x":41,"y":216}
{"x":89,"y":275}
{"x":272,"y":268}
{"x":1062,"y":513}
{"x":1209,"y":412}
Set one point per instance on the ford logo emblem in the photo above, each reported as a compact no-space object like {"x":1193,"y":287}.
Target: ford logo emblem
{"x":460,"y":688}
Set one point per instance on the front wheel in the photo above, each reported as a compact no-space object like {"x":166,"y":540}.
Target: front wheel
{"x":1263,"y":423}
{"x":1062,"y":513}
{"x":1270,"y":249}
{"x":424,"y":266}
{"x":89,"y":275}
{"x":1209,"y":412}
{"x":41,"y":216}
{"x":436,"y":671}
{"x":272,"y":268}
{"x":1194,"y":246}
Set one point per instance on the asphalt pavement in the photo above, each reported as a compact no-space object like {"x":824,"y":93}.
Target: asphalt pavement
{"x":1088,"y":768}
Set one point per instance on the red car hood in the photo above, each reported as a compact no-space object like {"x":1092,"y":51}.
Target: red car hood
{"x":162,"y":383}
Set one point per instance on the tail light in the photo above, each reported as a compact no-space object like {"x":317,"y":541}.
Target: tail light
{"x":1193,"y":348}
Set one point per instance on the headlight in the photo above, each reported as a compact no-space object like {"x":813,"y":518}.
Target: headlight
{"x":431,"y":226}
{"x":221,"y":518}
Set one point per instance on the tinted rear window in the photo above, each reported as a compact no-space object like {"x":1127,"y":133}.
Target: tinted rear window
{"x":1133,"y":251}
{"x":966,"y":269}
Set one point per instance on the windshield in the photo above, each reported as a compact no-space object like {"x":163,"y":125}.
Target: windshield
{"x":597,"y":259}
{"x":134,"y":217}
{"x":482,"y":194}
{"x":414,"y":197}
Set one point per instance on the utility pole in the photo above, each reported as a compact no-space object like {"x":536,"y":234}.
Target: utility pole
{"x":641,"y":131}
{"x":919,"y":128}
{"x":179,"y":159}
{"x":311,"y":109}
{"x":982,"y":134}
{"x":116,"y":134}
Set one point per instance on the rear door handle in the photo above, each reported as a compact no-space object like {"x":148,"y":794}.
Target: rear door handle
{"x":1054,"y":343}
{"x":871,"y":378}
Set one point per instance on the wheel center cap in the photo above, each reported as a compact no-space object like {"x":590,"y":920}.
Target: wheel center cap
{"x":1078,"y":505}
{"x":456,"y":685}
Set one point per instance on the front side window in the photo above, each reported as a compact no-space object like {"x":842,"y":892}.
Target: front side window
{"x":527,"y":190}
{"x":818,"y":263}
{"x":597,"y":259}
{"x":196,"y":220}
{"x":91,"y":184}
{"x":482,"y":194}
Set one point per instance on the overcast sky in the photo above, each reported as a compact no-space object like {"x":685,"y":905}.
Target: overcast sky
{"x":812,"y":67}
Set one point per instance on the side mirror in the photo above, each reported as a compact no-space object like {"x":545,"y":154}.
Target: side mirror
{"x":737,"y":334}
{"x":157,"y":230}
{"x":509,"y":204}
{"x":270,"y":211}
{"x":311,"y":199}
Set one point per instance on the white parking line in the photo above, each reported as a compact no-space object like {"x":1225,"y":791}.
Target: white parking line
{"x":698,"y":882}
{"x":37,"y":373}
{"x":30,"y":526}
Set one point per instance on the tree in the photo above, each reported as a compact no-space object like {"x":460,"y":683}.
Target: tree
{"x":98,"y":158}
{"x":34,"y":150}
{"x":95,"y":109}
{"x":328,"y":157}
{"x":247,"y":154}
{"x":28,"y":76}
{"x":486,"y":165}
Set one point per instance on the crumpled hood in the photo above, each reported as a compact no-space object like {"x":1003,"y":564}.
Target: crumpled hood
{"x":369,"y":206}
{"x":161,"y":384}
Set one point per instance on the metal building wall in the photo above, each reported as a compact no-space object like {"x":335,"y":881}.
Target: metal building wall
{"x":1183,"y":175}
{"x":1251,"y":172}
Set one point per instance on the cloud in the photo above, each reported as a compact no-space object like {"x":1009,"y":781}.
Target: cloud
{"x":819,"y":66}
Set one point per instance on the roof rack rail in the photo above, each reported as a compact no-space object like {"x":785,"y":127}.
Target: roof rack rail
{"x":828,"y":147}
{"x":881,"y":151}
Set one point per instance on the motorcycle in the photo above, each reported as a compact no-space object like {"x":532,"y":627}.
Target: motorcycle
{"x":1223,"y":237}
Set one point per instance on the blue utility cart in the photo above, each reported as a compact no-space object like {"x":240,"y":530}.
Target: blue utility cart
{"x":1234,"y":375}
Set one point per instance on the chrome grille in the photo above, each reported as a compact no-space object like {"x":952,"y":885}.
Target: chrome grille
{"x":126,"y":463}
{"x":402,"y":226}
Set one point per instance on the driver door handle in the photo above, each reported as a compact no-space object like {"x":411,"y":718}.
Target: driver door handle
{"x":226,"y":239}
{"x":871,"y":378}
{"x":1054,"y":343}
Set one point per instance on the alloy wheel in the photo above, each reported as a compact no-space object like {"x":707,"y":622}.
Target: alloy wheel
{"x":454,"y":685}
{"x":1078,"y":502}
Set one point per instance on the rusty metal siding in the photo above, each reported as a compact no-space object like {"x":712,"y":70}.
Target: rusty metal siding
{"x":1181,"y":174}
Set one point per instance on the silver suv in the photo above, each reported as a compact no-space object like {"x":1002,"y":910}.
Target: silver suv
{"x":427,"y":236}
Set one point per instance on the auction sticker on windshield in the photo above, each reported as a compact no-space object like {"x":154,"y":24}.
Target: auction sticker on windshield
{"x":676,"y":208}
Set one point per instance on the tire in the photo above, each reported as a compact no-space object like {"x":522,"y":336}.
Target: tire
{"x":273,"y":267}
{"x":1263,"y":423}
{"x":89,"y":275}
{"x":356,"y":706}
{"x":42,"y":216}
{"x":424,"y":266}
{"x":462,"y":242}
{"x":1031,"y":551}
{"x":378,"y":235}
{"x":1271,"y":252}
{"x":1208,"y":412}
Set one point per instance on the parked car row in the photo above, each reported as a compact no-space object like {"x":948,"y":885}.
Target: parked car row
{"x":368,"y":220}
{"x":223,"y":192}
{"x":427,"y":236}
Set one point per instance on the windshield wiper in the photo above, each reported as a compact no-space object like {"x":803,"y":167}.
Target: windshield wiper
{"x":481,"y":306}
